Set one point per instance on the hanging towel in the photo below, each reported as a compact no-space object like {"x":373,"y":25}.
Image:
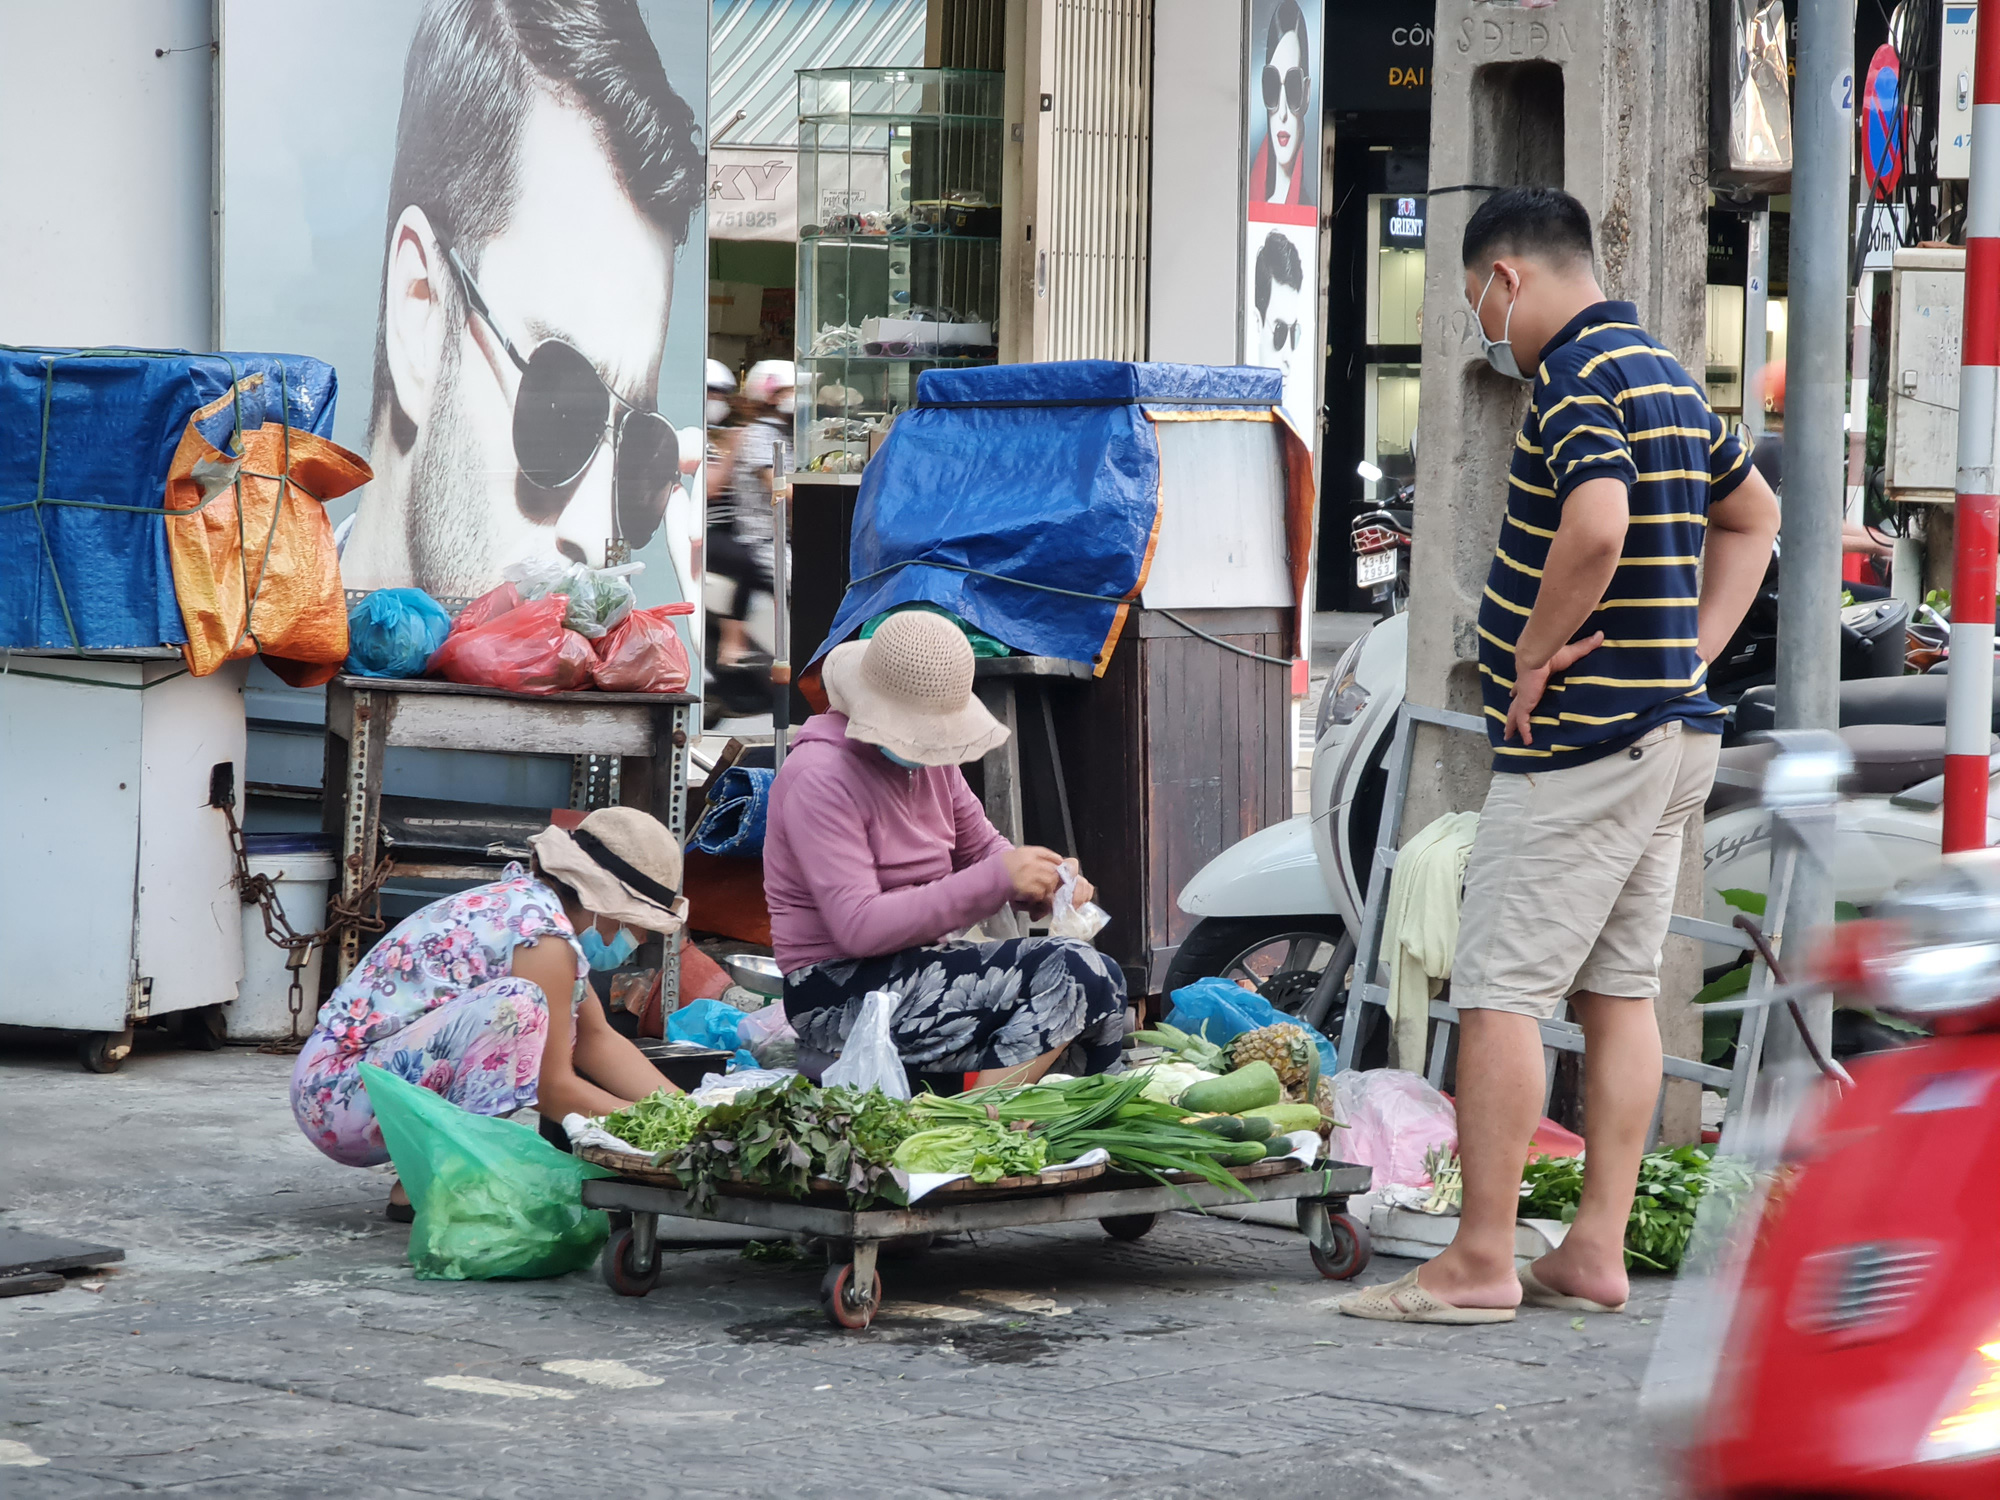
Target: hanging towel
{"x":1420,"y":928}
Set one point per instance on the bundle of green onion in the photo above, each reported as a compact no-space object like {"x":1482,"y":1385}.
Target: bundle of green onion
{"x":1078,"y":1115}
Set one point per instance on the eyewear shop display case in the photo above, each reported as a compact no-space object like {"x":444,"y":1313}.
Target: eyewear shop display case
{"x":899,"y":245}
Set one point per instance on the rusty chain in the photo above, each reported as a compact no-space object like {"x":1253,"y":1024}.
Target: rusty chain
{"x":358,"y":912}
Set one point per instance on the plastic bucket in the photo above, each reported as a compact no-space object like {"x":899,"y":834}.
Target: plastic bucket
{"x":261,"y":1011}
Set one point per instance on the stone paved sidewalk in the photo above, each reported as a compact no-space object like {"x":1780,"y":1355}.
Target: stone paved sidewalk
{"x":265,"y":1338}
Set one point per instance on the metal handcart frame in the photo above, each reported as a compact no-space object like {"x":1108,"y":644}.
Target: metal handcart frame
{"x":851,"y":1292}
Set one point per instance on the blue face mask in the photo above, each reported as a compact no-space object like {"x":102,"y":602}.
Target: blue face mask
{"x":912,"y":765}
{"x":603,"y":956}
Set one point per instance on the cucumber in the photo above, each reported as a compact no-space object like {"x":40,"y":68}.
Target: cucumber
{"x":1255,"y":1127}
{"x":1249,"y":1087}
{"x":1286,"y":1117}
{"x":1277,"y":1146}
{"x":1240,"y":1153}
{"x":1227,"y":1126}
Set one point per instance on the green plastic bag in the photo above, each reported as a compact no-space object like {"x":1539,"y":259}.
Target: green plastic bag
{"x":984,"y":646}
{"x":493,"y":1199}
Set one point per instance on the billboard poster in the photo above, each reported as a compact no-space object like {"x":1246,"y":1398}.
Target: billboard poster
{"x":1281,"y":200}
{"x":489,"y":215}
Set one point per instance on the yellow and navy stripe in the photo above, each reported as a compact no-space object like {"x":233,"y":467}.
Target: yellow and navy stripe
{"x":1609,"y":402}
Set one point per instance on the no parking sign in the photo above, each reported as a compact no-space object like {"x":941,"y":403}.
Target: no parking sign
{"x":1882,"y":123}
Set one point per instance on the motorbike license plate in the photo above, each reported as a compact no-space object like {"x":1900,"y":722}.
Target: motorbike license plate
{"x":1374,"y":568}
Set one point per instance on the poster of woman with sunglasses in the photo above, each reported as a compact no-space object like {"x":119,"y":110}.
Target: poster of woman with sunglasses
{"x":494,"y":229}
{"x":1281,"y":199}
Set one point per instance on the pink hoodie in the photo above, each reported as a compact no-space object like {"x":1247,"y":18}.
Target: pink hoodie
{"x":863,"y":857}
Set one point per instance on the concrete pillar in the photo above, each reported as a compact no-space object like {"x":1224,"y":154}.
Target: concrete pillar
{"x":1608,"y":100}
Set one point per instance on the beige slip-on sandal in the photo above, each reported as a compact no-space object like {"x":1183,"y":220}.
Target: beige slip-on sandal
{"x":1405,"y":1301}
{"x":1536,"y":1293}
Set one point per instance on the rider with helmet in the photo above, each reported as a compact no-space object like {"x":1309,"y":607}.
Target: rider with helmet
{"x":739,"y":520}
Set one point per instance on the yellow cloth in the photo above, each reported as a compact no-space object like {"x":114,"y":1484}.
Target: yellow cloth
{"x":1420,"y":928}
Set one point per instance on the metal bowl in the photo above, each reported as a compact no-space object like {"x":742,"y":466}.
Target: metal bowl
{"x":755,"y":972}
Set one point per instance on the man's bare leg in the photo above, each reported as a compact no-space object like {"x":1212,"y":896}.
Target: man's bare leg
{"x":1499,"y":1104}
{"x":1621,"y":1071}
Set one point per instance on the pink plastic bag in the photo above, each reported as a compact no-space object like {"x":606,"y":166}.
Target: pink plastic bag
{"x":643,"y":653}
{"x":525,"y":650}
{"x":1394,"y":1119}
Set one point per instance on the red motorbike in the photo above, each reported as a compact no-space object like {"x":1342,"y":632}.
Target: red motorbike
{"x":1862,"y":1356}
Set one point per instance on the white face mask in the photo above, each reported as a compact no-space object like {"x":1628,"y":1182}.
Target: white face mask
{"x":1499,"y":352}
{"x":786,"y":403}
{"x":717,"y":411}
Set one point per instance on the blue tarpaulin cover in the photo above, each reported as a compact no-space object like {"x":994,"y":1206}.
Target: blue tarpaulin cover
{"x":1045,"y":473}
{"x":112,"y":422}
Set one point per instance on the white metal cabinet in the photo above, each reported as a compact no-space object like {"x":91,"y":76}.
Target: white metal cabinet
{"x":1928,"y":314}
{"x":116,"y":896}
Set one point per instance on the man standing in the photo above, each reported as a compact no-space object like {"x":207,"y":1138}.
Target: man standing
{"x":544,"y":176}
{"x":1636,"y":534}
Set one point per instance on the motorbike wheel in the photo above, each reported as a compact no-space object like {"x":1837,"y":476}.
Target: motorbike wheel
{"x":1283,"y":957}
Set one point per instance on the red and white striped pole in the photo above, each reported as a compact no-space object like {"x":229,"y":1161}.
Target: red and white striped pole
{"x":1968,"y":724}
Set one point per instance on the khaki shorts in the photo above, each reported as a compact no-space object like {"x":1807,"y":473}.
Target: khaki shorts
{"x":1572,"y":874}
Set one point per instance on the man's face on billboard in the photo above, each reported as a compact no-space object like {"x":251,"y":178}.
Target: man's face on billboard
{"x":1281,"y":330}
{"x":577,"y":262}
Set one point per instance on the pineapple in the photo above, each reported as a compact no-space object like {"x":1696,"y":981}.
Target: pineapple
{"x":1286,"y":1048}
{"x":1325,"y":1099}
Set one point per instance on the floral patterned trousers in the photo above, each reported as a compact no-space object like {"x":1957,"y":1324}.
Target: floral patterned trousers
{"x":965,"y":1007}
{"x":482,"y":1051}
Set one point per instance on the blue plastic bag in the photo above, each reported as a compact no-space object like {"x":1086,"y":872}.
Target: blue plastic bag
{"x":394,"y":633}
{"x":708,"y":1023}
{"x":1220,"y":1010}
{"x":733,"y":823}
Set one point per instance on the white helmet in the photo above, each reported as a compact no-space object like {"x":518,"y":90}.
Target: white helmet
{"x":768,"y":377}
{"x":720,"y":377}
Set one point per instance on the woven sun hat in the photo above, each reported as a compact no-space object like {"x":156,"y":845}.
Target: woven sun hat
{"x":908,"y":688}
{"x":622,"y":863}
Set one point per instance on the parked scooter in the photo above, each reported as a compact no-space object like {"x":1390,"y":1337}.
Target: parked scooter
{"x":1280,"y":907}
{"x":1873,"y":643}
{"x":1380,"y":535}
{"x":1862,"y":1345}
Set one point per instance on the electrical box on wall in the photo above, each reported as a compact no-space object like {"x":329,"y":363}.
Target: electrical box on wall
{"x":1954,"y":105}
{"x":1927,"y":314}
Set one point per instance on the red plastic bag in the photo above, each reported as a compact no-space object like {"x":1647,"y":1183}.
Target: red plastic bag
{"x":487,"y":608}
{"x":643,"y":653}
{"x":525,"y":650}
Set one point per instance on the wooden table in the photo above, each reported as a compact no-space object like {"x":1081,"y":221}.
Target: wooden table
{"x":644,"y":734}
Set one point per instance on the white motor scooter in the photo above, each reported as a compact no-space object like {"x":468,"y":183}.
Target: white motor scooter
{"x":1278,"y":908}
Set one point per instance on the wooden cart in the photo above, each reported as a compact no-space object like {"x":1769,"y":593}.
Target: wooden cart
{"x":851,"y":1292}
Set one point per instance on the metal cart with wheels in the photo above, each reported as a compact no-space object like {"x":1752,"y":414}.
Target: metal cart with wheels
{"x":852,"y":1292}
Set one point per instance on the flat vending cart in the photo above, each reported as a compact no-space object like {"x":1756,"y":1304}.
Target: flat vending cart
{"x":851,"y":1293}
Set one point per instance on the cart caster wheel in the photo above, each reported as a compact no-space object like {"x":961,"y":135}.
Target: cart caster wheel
{"x":105,"y":1051}
{"x":844,"y":1308}
{"x":1350,"y":1252}
{"x":1129,"y":1227}
{"x":204,"y":1029}
{"x":621,"y":1273}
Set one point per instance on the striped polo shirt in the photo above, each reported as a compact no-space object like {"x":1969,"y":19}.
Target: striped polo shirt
{"x":1609,"y":401}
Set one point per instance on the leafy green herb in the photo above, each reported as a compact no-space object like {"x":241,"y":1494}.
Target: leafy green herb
{"x":986,"y":1149}
{"x":1671,"y":1187}
{"x":784,"y":1135}
{"x":781,"y":1252}
{"x":661,"y":1122}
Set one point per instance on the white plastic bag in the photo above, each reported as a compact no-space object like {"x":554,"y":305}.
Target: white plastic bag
{"x":768,"y":1036}
{"x":1393,"y":1119}
{"x":1067,"y":919}
{"x":869,"y":1060}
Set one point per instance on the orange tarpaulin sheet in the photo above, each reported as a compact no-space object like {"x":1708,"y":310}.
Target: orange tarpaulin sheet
{"x":255,"y":567}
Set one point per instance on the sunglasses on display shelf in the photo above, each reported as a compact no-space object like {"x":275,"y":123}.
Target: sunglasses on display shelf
{"x":563,"y":411}
{"x":1295,"y":83}
{"x":1285,"y":334}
